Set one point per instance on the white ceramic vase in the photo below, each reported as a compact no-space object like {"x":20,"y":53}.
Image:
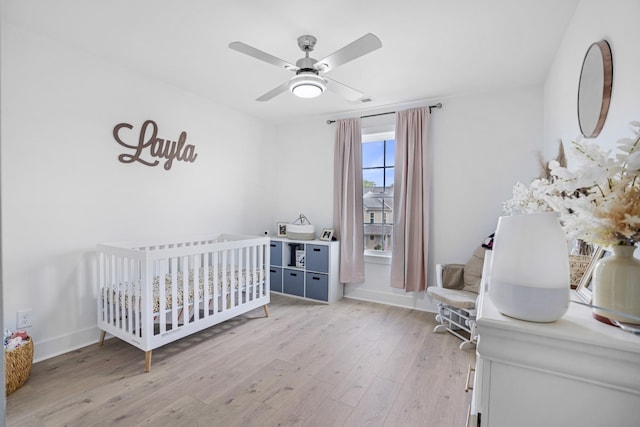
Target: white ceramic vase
{"x":616,"y":285}
{"x":530,"y":267}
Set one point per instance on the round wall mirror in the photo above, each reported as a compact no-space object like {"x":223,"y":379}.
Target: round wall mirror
{"x":594,"y":89}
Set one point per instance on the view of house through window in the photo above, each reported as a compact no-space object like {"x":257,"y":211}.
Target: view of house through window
{"x":377,"y":181}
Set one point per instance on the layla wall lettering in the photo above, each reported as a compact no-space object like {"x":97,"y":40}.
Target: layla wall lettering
{"x":151,"y":147}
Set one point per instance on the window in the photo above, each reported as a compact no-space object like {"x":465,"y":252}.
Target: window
{"x":377,"y":181}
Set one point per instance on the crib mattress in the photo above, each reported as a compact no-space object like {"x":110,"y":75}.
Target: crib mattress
{"x":239,"y":279}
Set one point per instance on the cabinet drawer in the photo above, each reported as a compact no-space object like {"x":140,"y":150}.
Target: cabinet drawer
{"x":275,"y":277}
{"x":317,"y":258}
{"x":276,"y":253}
{"x":293,"y":282}
{"x":317,"y":286}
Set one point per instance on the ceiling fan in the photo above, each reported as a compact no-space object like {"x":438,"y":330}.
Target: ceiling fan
{"x":309,"y":80}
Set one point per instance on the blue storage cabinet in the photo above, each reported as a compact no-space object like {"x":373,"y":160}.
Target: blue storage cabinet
{"x":315,"y":279}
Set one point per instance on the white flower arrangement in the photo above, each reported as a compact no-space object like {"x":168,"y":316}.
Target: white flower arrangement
{"x":598,"y":201}
{"x":528,"y":199}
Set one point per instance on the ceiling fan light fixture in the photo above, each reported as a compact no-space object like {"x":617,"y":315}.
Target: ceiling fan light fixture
{"x":307,"y":85}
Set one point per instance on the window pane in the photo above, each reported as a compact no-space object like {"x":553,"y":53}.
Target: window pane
{"x":373,"y":154}
{"x":377,"y":230}
{"x":372,"y":178}
{"x":388,"y":177}
{"x":390,"y":152}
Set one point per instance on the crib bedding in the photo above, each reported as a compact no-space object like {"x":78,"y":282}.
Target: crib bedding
{"x":236,"y":278}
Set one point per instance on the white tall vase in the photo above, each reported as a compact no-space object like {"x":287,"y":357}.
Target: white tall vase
{"x":530,"y":267}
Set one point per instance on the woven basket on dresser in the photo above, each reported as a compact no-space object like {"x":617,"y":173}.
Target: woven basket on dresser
{"x":17,"y":365}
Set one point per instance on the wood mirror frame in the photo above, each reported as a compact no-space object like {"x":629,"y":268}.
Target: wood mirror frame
{"x":594,"y":88}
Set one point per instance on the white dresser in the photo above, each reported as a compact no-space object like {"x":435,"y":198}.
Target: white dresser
{"x":572,"y":372}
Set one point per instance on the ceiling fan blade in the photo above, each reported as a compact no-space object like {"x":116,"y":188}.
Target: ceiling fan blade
{"x":362,"y":46}
{"x":263,"y":56}
{"x":274,"y":92}
{"x":343,"y":90}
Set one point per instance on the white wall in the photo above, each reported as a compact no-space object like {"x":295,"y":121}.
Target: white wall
{"x":481,"y":145}
{"x":617,"y":22}
{"x":64,"y":190}
{"x":302,"y":165}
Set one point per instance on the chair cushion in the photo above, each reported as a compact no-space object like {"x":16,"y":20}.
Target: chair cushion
{"x":454,"y":297}
{"x":473,"y":271}
{"x":453,"y":276}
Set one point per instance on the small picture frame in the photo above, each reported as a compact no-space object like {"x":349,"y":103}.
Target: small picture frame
{"x":327,"y":234}
{"x":281,"y":229}
{"x":300,"y":258}
{"x":584,"y":289}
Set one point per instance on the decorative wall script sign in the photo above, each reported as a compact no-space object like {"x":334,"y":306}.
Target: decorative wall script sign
{"x":157,"y":147}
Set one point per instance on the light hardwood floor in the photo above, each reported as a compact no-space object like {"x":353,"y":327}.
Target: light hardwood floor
{"x":352,"y":363}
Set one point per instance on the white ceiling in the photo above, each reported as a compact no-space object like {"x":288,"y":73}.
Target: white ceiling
{"x":431,"y":49}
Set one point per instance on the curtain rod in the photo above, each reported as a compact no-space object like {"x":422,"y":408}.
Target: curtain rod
{"x":438,"y":105}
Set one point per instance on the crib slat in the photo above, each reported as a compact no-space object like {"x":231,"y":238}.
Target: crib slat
{"x":113,"y":293}
{"x":161,"y":271}
{"x":196,"y":289}
{"x":244,"y":275}
{"x":118,"y":297}
{"x":185,"y":290}
{"x":265,"y":261}
{"x":215,"y":262}
{"x":206,"y":283}
{"x":102,"y":288}
{"x":128,"y":274}
{"x":146,"y":303}
{"x":174,"y":292}
{"x":248,"y":272}
{"x":139,"y":302}
{"x":234,"y":277}
{"x":223,"y":281}
{"x":254,"y":258}
{"x":238,"y":275}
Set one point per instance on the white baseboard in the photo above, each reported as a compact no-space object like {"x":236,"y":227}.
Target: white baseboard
{"x":408,"y":300}
{"x":61,"y":344}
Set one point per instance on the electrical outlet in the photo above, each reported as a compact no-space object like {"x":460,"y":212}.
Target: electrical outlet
{"x":24,"y":319}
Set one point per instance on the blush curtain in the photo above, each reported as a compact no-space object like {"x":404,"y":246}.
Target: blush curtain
{"x":411,"y":201}
{"x":347,"y":203}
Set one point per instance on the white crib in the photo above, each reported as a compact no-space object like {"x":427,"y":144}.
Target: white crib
{"x":151,"y":295}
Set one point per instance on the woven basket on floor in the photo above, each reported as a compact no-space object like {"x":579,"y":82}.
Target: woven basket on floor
{"x":17,"y":365}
